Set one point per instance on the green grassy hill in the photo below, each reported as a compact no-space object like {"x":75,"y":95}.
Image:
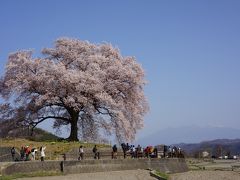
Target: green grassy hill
{"x":54,"y":149}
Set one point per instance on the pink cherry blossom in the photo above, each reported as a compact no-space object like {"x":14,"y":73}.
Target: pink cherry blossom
{"x":90,"y":87}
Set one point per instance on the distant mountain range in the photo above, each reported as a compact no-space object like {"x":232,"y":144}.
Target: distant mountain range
{"x":217,"y":148}
{"x":191,"y":134}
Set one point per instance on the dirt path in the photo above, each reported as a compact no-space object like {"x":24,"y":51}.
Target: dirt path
{"x":113,"y":175}
{"x":205,"y":175}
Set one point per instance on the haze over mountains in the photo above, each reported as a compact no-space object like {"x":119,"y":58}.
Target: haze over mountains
{"x":190,"y":134}
{"x":217,"y":148}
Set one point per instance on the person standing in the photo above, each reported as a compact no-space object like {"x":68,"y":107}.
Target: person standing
{"x":114,"y":152}
{"x":33,"y":153}
{"x":96,"y":153}
{"x":42,"y":152}
{"x":13,"y":153}
{"x":81,"y":153}
{"x":22,"y":153}
{"x":138,"y":151}
{"x":27,"y":152}
{"x":124,"y":148}
{"x":133,"y":151}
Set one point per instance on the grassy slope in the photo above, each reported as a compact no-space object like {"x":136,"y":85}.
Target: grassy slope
{"x":29,"y":175}
{"x":53,"y":148}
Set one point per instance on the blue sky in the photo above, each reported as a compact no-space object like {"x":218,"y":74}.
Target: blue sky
{"x":189,"y":49}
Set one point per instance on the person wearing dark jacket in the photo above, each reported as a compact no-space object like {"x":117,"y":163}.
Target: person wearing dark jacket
{"x":114,"y":152}
{"x":13,"y":153}
{"x":96,"y":153}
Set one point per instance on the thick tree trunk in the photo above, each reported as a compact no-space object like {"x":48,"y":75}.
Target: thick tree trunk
{"x":74,"y":128}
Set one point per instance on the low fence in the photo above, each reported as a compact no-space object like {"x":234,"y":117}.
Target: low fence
{"x":106,"y":153}
{"x":101,"y":155}
{"x":164,"y":165}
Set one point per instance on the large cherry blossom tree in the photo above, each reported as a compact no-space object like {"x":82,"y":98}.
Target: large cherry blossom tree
{"x":90,"y":87}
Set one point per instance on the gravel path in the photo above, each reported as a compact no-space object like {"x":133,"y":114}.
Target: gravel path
{"x":113,"y":175}
{"x":205,"y":175}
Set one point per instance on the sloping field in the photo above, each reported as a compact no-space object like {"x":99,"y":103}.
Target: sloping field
{"x":210,"y":169}
{"x":204,"y":175}
{"x":54,"y":149}
{"x":213,"y":165}
{"x":116,"y":175}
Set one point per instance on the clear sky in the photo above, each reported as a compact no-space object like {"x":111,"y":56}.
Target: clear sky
{"x":189,"y":49}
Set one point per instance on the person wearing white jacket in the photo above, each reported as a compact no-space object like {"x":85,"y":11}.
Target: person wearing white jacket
{"x":42,"y":152}
{"x":33,"y":153}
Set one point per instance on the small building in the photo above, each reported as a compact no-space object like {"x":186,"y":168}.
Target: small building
{"x":205,"y":154}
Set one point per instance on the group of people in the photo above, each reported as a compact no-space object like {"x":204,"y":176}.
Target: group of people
{"x":175,"y":152}
{"x":27,"y":153}
{"x":95,"y":151}
{"x":152,"y":152}
{"x":134,"y":152}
